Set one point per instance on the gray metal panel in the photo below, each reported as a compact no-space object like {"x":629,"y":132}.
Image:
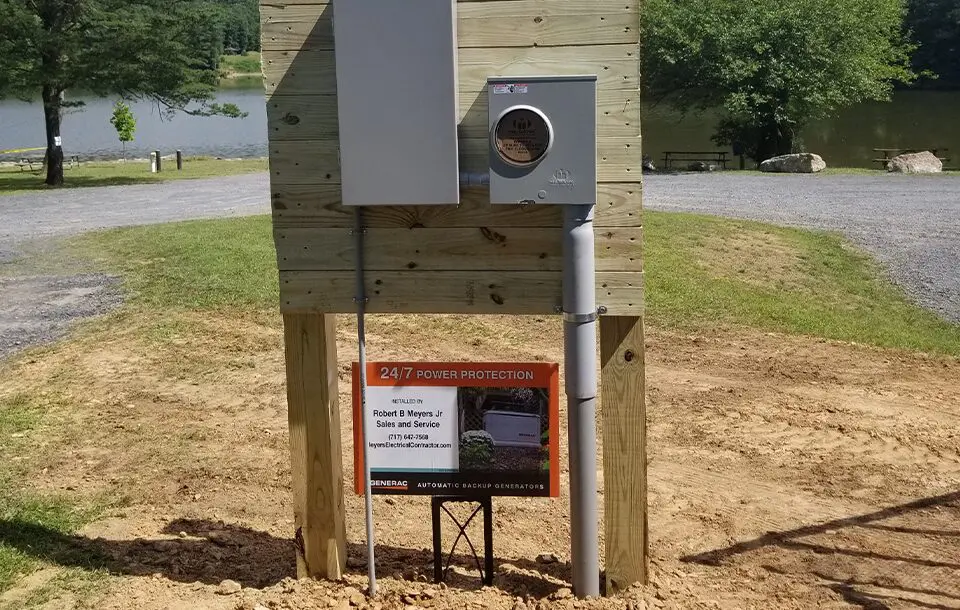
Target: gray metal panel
{"x":397,"y":101}
{"x":567,"y":174}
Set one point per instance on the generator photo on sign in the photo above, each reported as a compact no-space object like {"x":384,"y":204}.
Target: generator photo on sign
{"x":471,"y":429}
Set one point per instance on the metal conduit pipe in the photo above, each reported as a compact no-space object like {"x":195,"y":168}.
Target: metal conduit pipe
{"x":361,"y":299}
{"x":580,"y":372}
{"x":474,"y":179}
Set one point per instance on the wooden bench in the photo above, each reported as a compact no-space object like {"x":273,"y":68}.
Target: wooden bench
{"x":714,"y":156}
{"x":889,"y":153}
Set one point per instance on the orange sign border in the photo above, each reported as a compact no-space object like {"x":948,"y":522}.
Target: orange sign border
{"x":545,"y":375}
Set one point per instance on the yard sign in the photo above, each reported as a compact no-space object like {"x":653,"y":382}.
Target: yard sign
{"x":461,"y":429}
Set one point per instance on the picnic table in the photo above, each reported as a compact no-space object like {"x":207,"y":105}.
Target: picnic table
{"x":714,"y":156}
{"x":889,"y":153}
{"x":69,"y":161}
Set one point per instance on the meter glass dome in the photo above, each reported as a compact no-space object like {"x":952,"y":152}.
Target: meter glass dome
{"x":522,"y":136}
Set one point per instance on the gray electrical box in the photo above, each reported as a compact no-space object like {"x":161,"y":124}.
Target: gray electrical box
{"x":396,"y":65}
{"x":543,"y":139}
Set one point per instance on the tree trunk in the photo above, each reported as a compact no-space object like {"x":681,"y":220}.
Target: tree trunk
{"x":784,"y":140}
{"x":51,"y":115}
{"x":775,"y":140}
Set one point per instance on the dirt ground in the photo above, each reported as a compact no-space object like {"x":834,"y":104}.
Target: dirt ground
{"x":783,"y":472}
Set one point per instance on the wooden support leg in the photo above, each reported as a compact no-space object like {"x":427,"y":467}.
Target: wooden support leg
{"x":316,"y":463}
{"x":624,"y":451}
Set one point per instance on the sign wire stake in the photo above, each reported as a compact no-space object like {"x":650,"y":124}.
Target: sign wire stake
{"x":361,"y":300}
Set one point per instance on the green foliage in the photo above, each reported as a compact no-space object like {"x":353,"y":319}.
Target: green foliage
{"x":166,"y":51}
{"x":241,"y":25}
{"x":476,"y":450}
{"x":772,"y":66}
{"x":140,"y":49}
{"x":935,"y":26}
{"x":123,"y":121}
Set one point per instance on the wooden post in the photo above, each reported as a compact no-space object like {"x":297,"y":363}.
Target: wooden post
{"x":157,"y":155}
{"x":314,"y":417}
{"x":623,"y":412}
{"x":179,"y":160}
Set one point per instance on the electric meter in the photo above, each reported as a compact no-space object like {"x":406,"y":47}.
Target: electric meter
{"x":543,"y":145}
{"x":522,"y":136}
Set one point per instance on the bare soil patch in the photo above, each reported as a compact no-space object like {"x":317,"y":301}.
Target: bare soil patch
{"x":784,"y":472}
{"x":761,"y":259}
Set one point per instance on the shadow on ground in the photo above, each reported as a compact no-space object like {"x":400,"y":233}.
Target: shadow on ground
{"x":922,"y":570}
{"x":210,"y":552}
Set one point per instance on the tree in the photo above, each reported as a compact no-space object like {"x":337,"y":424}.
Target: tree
{"x":124,"y":122}
{"x":139,"y":49}
{"x":241,"y":25}
{"x":935,"y":26}
{"x":772,"y":66}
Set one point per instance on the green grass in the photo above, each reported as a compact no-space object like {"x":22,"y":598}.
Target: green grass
{"x":193,"y":264}
{"x":820,"y":286}
{"x":12,"y":180}
{"x":37,"y":529}
{"x":238,"y":65}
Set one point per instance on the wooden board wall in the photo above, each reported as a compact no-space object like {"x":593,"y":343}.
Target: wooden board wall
{"x":475,"y":258}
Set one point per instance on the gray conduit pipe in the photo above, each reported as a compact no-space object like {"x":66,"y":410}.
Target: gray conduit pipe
{"x":580,"y":373}
{"x":474,"y":179}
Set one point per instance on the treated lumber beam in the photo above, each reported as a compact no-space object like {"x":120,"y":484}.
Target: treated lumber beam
{"x":619,"y":159}
{"x":468,"y":292}
{"x":624,"y":429}
{"x":480,"y":248}
{"x":318,"y":206}
{"x":314,"y":117}
{"x":502,"y":23}
{"x":314,"y":417}
{"x":313,"y":71}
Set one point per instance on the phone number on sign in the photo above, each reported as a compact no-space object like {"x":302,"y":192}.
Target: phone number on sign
{"x":408,"y":437}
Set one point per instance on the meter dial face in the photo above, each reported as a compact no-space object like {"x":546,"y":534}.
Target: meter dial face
{"x":522,"y":136}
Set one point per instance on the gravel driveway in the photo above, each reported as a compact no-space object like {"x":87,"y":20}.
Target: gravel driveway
{"x":66,"y":211}
{"x":911,"y":224}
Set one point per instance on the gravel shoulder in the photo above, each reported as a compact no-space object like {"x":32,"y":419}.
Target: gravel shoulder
{"x":911,"y":224}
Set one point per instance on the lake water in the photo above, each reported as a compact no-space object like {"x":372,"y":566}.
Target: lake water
{"x":915,"y":119}
{"x":87,"y":131}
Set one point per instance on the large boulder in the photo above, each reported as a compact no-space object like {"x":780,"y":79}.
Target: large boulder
{"x":799,"y":163}
{"x":915,"y":163}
